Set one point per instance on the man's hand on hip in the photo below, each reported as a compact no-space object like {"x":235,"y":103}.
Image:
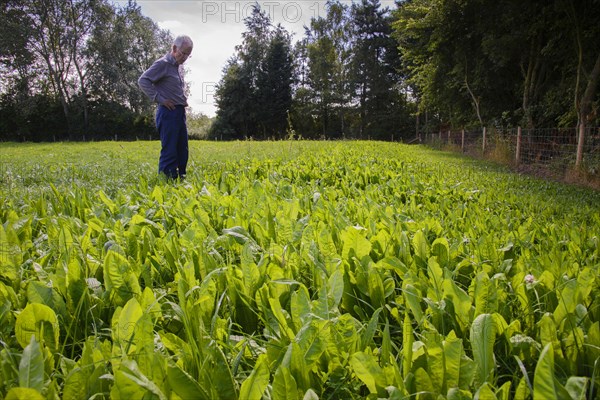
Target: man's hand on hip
{"x":169,"y":104}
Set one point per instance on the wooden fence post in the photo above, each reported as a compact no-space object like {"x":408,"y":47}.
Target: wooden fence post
{"x":462,"y":141}
{"x":483,"y":146}
{"x":518,"y":151}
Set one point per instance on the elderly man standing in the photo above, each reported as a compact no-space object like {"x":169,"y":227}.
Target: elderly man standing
{"x":163,"y":83}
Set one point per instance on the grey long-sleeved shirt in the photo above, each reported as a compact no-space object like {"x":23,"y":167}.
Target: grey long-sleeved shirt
{"x":162,"y":81}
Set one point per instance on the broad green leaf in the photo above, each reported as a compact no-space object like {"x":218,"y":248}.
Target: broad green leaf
{"x":38,"y":292}
{"x":310,"y":395}
{"x":548,"y":333}
{"x":76,"y":285}
{"x":458,"y":394}
{"x":221,"y":375}
{"x":130,"y":383}
{"x":283,"y":325}
{"x":371,"y":328}
{"x":294,"y":360}
{"x":149,"y":304}
{"x":523,"y":392}
{"x":37,"y":320}
{"x":393,"y":264}
{"x":148,"y":361}
{"x":75,"y":386}
{"x":368,"y":371}
{"x":485,"y":392}
{"x":184,"y":385}
{"x":312,"y":340}
{"x":453,"y":352}
{"x":326,"y":244}
{"x":239,"y":234}
{"x":577,"y":387}
{"x":254,"y":386}
{"x":436,"y":278}
{"x":423,"y":382}
{"x":592,"y":353}
{"x":545,"y":370}
{"x":503,"y":393}
{"x":483,"y":336}
{"x":158,"y":195}
{"x":421,"y":248}
{"x":413,"y":299}
{"x":468,"y":372}
{"x":544,"y":383}
{"x":344,"y":335}
{"x":386,"y":345}
{"x":284,"y":385}
{"x":31,"y":366}
{"x":125,"y":326}
{"x":404,"y":251}
{"x":585,"y":285}
{"x":441,"y":249}
{"x":376,"y":290}
{"x":335,"y":288}
{"x":435,"y":359}
{"x":320,"y":305}
{"x":407,"y":348}
{"x":486,"y":297}
{"x":20,"y":393}
{"x":65,"y":238}
{"x":566,"y":301}
{"x":300,"y":307}
{"x":354,"y":243}
{"x":112,"y":207}
{"x":119,"y":278}
{"x":10,"y":254}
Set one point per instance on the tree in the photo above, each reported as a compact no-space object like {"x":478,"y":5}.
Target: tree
{"x":583,"y":17}
{"x":328,"y":89}
{"x":231,"y":121}
{"x":254,"y":95}
{"x":85,"y":56}
{"x":374,"y":72}
{"x":274,"y":85}
{"x":123,"y":44}
{"x":442,"y":54}
{"x":506,"y":61}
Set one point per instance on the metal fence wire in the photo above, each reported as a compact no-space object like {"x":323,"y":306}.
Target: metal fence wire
{"x":549,"y":151}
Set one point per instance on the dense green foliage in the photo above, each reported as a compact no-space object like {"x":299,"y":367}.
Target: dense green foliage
{"x":342,"y":79}
{"x":503,"y":63}
{"x":69,"y":69}
{"x":255,"y":94}
{"x":293,"y":270}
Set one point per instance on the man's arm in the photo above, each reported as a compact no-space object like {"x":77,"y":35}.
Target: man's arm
{"x":149,"y":78}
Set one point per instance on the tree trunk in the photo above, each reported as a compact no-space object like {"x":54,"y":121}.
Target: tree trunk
{"x":585,"y":106}
{"x":530,"y":82}
{"x":475,"y":101}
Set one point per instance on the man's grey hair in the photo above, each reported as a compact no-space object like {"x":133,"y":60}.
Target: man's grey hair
{"x":183,"y":39}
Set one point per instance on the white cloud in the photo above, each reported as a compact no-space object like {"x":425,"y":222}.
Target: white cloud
{"x":171,"y":25}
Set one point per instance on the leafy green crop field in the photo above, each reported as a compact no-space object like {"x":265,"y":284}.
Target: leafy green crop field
{"x":293,"y":270}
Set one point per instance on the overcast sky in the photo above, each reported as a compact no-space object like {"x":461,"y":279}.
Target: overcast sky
{"x":216,"y":28}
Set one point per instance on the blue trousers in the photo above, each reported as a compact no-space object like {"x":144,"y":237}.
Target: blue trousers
{"x":174,"y":153}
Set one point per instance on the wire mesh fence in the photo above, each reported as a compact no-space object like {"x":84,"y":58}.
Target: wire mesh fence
{"x":551,"y":152}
